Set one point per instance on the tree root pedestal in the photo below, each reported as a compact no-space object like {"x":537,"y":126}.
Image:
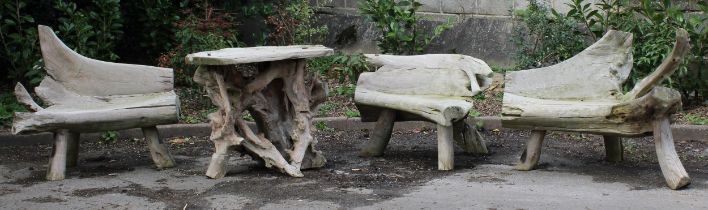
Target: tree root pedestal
{"x":281,"y":97}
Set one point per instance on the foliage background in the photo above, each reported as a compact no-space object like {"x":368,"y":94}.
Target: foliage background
{"x":545,"y":37}
{"x":162,"y":32}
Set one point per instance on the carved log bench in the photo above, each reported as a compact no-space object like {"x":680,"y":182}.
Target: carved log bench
{"x":86,"y":95}
{"x":584,"y":94}
{"x":436,"y":88}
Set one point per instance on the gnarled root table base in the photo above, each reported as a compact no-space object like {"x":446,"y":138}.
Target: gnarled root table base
{"x":281,"y":96}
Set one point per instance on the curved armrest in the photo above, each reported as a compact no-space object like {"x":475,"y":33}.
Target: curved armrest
{"x":668,"y":67}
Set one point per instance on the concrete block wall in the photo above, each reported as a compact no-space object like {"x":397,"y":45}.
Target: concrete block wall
{"x":483,"y":27}
{"x":477,"y":7}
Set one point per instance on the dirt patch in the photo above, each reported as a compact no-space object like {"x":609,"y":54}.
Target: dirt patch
{"x":699,"y":112}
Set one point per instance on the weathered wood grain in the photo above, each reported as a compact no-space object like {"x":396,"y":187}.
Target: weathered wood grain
{"x":532,"y":153}
{"x":281,"y":97}
{"x":57,"y":163}
{"x":674,"y":173}
{"x":230,"y":56}
{"x":434,"y":87}
{"x":158,"y":151}
{"x":380,"y":135}
{"x":87,"y":95}
{"x":584,"y":94}
{"x":87,"y":76}
{"x":446,"y":148}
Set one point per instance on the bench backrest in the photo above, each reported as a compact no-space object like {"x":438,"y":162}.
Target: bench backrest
{"x":91,"y":77}
{"x":596,"y":73}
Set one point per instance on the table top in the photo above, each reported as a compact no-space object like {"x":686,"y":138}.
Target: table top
{"x":230,"y":56}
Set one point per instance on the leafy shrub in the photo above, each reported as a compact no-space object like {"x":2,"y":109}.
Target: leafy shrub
{"x":664,"y":17}
{"x":18,"y":36}
{"x":323,"y":127}
{"x":8,"y":107}
{"x":653,"y":24}
{"x":151,"y":28}
{"x":293,"y":22}
{"x":345,"y":90}
{"x":326,"y":108}
{"x":349,"y":67}
{"x":351,"y":113}
{"x":342,"y":67}
{"x":544,"y":37}
{"x":195,"y":34}
{"x":696,"y":120}
{"x":398,"y":23}
{"x":109,"y":137}
{"x":92,"y":31}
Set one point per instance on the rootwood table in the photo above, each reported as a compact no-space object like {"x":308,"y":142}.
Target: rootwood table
{"x":271,"y":83}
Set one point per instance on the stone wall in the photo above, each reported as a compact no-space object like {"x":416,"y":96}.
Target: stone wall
{"x":483,"y":27}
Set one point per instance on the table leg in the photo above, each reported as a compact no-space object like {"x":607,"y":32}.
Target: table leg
{"x":280,"y":100}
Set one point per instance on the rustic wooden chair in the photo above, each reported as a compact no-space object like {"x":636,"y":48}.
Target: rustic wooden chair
{"x":86,"y":95}
{"x":584,"y":94}
{"x":436,"y":88}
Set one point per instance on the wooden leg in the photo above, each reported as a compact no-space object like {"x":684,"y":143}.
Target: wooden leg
{"x":529,"y":159}
{"x":57,"y":165}
{"x":446,"y":148}
{"x":468,"y":138}
{"x":217,"y":166}
{"x":72,"y":149}
{"x":160,"y":155}
{"x":674,"y":173}
{"x":613,"y":148}
{"x":380,"y":135}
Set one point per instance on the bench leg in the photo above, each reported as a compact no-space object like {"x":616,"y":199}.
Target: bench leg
{"x":217,"y":166}
{"x":446,"y":149}
{"x":468,"y":138}
{"x":160,"y":155}
{"x":57,"y":165}
{"x":674,"y":173}
{"x":380,"y":135}
{"x":529,"y":159}
{"x":613,"y":148}
{"x":72,"y":149}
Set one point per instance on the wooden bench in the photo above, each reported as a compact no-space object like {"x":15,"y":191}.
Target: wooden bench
{"x":436,"y":88}
{"x":584,"y":94}
{"x":86,"y":95}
